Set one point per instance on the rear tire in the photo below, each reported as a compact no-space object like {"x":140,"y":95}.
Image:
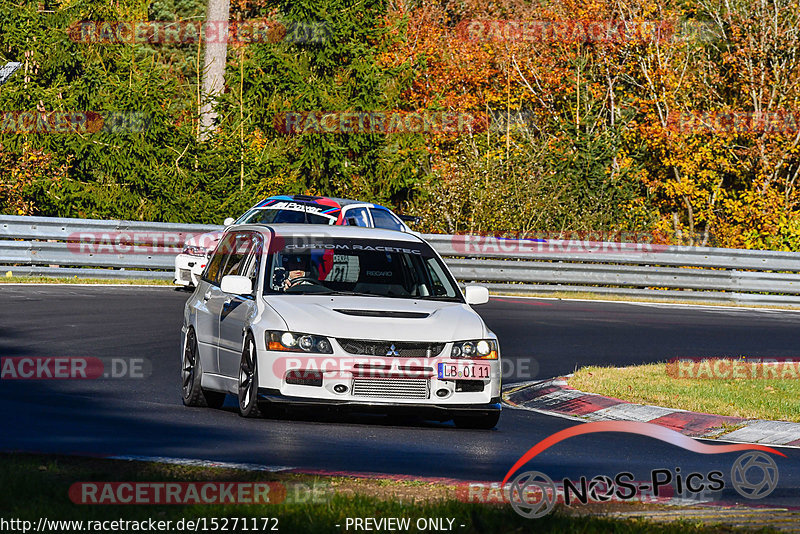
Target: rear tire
{"x":191,"y":374}
{"x":484,"y":422}
{"x":248,"y":380}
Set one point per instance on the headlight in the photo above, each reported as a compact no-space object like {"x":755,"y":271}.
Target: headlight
{"x":294,"y":342}
{"x":193,"y":250}
{"x":480,"y":349}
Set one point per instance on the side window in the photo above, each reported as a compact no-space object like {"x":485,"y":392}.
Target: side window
{"x":213,"y":272}
{"x":239,"y":254}
{"x":357,"y":217}
{"x":253,"y":261}
{"x":437,"y":275}
{"x":384,"y":219}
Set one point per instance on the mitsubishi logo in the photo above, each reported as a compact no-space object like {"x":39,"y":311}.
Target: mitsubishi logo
{"x":392,"y":351}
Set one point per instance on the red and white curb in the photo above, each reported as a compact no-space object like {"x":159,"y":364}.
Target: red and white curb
{"x":555,"y":397}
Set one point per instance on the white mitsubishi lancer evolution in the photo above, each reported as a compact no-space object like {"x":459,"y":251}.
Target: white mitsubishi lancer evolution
{"x":363,"y":318}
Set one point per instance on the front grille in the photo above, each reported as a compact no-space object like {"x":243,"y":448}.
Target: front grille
{"x":391,"y":388}
{"x":404,"y":349}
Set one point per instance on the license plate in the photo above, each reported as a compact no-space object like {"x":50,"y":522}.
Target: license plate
{"x":464,"y":371}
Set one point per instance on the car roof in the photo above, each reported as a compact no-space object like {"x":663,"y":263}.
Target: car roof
{"x":342,"y":202}
{"x":351,"y":232}
{"x":300,"y":199}
{"x":349,"y":202}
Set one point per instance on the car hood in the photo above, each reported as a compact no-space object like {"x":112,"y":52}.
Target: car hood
{"x":378,"y":318}
{"x":208,"y":240}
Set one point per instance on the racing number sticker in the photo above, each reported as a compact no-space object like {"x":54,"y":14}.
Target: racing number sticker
{"x":345,"y":269}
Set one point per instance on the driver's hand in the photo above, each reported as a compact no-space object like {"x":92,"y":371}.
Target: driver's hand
{"x":293,"y":275}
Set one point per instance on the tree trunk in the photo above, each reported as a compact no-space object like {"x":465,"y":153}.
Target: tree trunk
{"x":217,"y":17}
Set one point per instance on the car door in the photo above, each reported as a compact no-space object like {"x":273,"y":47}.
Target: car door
{"x":210,"y":304}
{"x":238,"y":310}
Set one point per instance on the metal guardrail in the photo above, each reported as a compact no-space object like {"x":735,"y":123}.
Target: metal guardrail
{"x":45,"y":246}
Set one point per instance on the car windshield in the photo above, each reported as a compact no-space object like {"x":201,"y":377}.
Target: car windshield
{"x":294,"y":214}
{"x":397,"y":269}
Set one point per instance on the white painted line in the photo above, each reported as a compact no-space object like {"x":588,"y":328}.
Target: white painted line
{"x":580,"y":419}
{"x":762,"y":308}
{"x":203,"y":463}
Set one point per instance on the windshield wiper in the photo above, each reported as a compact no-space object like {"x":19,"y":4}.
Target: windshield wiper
{"x":334,"y":292}
{"x":357,"y":294}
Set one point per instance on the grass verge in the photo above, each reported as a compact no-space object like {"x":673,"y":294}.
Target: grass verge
{"x":34,"y":486}
{"x":76,"y":280}
{"x":750,"y":398}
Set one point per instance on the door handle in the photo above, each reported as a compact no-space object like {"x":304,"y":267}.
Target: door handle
{"x":207,"y":295}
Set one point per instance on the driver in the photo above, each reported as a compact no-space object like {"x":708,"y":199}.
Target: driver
{"x":298,"y":267}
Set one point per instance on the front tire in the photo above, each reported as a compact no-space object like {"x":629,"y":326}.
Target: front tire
{"x":483,"y":421}
{"x":248,"y":380}
{"x":192,"y":373}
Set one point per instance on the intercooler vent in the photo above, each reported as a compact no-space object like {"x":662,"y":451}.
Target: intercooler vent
{"x":390,"y":388}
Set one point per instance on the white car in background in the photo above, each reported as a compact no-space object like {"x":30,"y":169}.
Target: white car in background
{"x":189,"y":264}
{"x":342,"y":316}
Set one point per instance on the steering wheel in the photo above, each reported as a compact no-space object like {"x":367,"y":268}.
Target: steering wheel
{"x":304,"y":279}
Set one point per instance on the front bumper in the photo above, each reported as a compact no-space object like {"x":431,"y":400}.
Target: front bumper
{"x":339,"y":382}
{"x":188,"y":269}
{"x":444,"y":411}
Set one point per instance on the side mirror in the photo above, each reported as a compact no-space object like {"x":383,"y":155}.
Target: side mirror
{"x":229,"y":221}
{"x":473,"y":294}
{"x":237,"y":285}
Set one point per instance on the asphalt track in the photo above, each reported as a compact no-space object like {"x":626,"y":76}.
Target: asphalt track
{"x":146,"y":417}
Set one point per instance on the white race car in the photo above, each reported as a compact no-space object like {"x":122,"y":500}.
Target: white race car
{"x":189,"y":264}
{"x":338,"y":315}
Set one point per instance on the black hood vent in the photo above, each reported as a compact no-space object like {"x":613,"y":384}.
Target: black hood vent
{"x":388,"y":314}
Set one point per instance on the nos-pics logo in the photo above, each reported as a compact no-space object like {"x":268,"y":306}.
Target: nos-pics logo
{"x":532,"y":494}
